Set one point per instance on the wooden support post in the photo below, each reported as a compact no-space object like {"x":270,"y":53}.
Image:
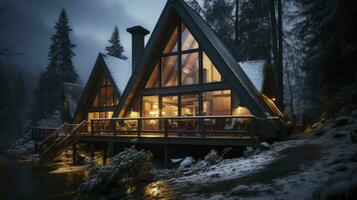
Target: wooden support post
{"x":36,"y":145}
{"x":166,"y":128}
{"x":166,"y":156}
{"x":110,"y":149}
{"x":105,"y":154}
{"x":91,"y":149}
{"x":74,"y":154}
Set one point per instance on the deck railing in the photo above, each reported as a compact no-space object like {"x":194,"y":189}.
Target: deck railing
{"x":57,"y":135}
{"x":182,"y":126}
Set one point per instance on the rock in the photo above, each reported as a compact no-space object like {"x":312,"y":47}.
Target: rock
{"x":341,"y":168}
{"x":265,"y":146}
{"x":353,"y":158}
{"x":316,"y":125}
{"x":217,"y":197}
{"x":215,"y":175}
{"x":249,"y":149}
{"x":319,"y":132}
{"x":240,"y":190}
{"x":341,"y":134}
{"x":343,"y":120}
{"x":188,"y":161}
{"x":354,"y":113}
{"x":248,"y":152}
{"x":353,"y":134}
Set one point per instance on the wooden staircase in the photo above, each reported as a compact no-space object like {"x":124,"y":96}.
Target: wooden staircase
{"x":63,"y":137}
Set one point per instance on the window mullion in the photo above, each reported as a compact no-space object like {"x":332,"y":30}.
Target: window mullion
{"x":179,"y":51}
{"x":200,"y":67}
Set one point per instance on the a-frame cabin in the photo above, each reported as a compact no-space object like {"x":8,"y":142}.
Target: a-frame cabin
{"x":184,"y":87}
{"x":101,"y":95}
{"x":186,"y":63}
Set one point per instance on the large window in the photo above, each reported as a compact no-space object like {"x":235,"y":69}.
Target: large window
{"x":153,"y":79}
{"x":105,"y":96}
{"x":169,"y":106}
{"x":189,"y":105}
{"x":173,"y":43}
{"x":150,"y":105}
{"x":97,"y":115}
{"x":217,"y":102}
{"x":169,"y":71}
{"x":190,"y":69}
{"x":187,"y":40}
{"x":182,"y":63}
{"x":210,"y":73}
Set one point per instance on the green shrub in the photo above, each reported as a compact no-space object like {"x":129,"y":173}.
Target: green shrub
{"x":130,"y":164}
{"x":212,"y":157}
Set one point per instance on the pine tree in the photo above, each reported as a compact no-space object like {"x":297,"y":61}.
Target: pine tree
{"x":254,"y":30}
{"x":4,"y":101}
{"x":329,"y":31}
{"x":115,"y":49}
{"x":195,"y":6}
{"x":60,"y":70}
{"x":219,"y":15}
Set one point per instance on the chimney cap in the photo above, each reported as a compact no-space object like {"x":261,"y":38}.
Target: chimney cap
{"x":138,"y":29}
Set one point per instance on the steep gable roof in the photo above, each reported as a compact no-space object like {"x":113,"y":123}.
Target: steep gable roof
{"x":118,"y":72}
{"x":216,"y":51}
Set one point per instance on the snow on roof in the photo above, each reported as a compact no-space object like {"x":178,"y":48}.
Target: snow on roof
{"x":255,"y":72}
{"x":120,"y":70}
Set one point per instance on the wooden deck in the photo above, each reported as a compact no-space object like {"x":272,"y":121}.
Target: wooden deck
{"x":161,"y":139}
{"x":233,"y":131}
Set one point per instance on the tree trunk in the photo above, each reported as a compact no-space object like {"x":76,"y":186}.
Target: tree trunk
{"x":236,"y":25}
{"x":291,"y":92}
{"x":274,"y":39}
{"x":280,"y":53}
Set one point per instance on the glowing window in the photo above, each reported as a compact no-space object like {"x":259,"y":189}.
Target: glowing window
{"x":187,"y":39}
{"x":210,"y":73}
{"x":190,"y":70}
{"x":169,"y":71}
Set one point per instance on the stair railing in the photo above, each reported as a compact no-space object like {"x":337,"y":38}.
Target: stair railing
{"x":68,"y":135}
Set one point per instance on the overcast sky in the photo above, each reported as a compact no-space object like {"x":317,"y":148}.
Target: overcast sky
{"x":92,"y":21}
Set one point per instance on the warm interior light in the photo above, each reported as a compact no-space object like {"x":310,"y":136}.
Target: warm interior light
{"x":273,"y":99}
{"x":134,"y":114}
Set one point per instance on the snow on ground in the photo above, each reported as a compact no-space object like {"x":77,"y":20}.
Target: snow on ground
{"x":22,"y":147}
{"x":333,"y":170}
{"x":228,"y":169}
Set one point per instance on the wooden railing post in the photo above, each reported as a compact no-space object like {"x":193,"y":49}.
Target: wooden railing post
{"x":201,"y":127}
{"x":138,"y":128}
{"x":115,"y":127}
{"x":166,"y":123}
{"x":92,"y":127}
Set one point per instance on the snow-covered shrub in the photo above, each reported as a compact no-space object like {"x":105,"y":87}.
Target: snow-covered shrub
{"x":340,"y":186}
{"x":212,"y":157}
{"x":130,"y":164}
{"x":249,"y":152}
{"x":51,"y":122}
{"x":342,"y":121}
{"x":251,"y":191}
{"x":319,"y":132}
{"x":188,"y":161}
{"x":264,"y":146}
